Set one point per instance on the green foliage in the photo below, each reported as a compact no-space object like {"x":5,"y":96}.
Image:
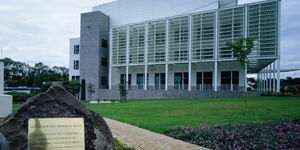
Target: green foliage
{"x":91,"y":90}
{"x":20,"y":97}
{"x":269,"y":135}
{"x":21,"y":74}
{"x":72,"y":86}
{"x":123,"y":91}
{"x":45,"y":86}
{"x":290,"y":85}
{"x":241,"y":49}
{"x":278,"y":94}
{"x":121,"y":146}
{"x":166,"y":114}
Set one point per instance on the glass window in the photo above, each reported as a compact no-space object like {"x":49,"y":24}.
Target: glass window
{"x":208,"y":77}
{"x":140,"y":79}
{"x":77,"y":78}
{"x":235,"y":77}
{"x":229,"y":77}
{"x":181,"y":80}
{"x":160,"y":80}
{"x":123,"y":79}
{"x":225,"y":77}
{"x":76,"y":64}
{"x":103,"y":80}
{"x":204,"y":80}
{"x":104,"y":61}
{"x":76,"y":49}
{"x":199,"y":78}
{"x":104,"y":43}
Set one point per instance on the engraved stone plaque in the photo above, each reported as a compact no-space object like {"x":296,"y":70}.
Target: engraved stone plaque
{"x":56,"y":134}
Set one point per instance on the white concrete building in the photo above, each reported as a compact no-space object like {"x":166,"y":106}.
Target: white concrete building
{"x":5,"y":100}
{"x":181,"y":45}
{"x":74,"y":57}
{"x":1,"y":77}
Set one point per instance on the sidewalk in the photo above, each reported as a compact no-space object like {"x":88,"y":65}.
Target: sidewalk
{"x":142,"y":139}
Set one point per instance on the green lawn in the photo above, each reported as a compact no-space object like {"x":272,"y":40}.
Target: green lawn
{"x":163,"y":115}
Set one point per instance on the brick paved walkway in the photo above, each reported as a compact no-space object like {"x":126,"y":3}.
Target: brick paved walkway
{"x":142,"y":139}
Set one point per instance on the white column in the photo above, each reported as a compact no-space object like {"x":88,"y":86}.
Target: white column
{"x":278,"y":46}
{"x":146,"y":78}
{"x":278,"y":76}
{"x":264,"y":79}
{"x":1,"y":77}
{"x":167,"y":73}
{"x":126,"y":80}
{"x":274,"y":77}
{"x":110,"y":59}
{"x":146,"y":57}
{"x":127,"y":55}
{"x":258,"y":81}
{"x":267,"y":78}
{"x":190,"y":76}
{"x":231,"y":86}
{"x":246,"y":35}
{"x":245,"y":81}
{"x":167,"y":53}
{"x":270,"y":77}
{"x":190,"y":53}
{"x":216,"y":76}
{"x":215,"y":79}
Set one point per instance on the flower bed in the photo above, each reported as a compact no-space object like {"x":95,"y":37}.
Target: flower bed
{"x":269,"y":135}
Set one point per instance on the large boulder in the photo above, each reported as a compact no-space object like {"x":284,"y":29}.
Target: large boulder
{"x":56,"y":103}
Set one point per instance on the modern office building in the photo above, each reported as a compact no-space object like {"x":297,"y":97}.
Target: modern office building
{"x":176,"y":45}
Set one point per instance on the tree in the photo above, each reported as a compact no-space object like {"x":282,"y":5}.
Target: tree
{"x":123,"y":91}
{"x":21,"y":74}
{"x":14,"y":70}
{"x":241,"y":49}
{"x":72,"y":86}
{"x":91,"y":90}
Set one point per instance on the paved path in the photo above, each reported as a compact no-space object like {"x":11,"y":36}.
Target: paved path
{"x":142,"y":139}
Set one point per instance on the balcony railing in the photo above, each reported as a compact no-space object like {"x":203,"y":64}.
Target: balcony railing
{"x":231,"y":87}
{"x":203,"y":87}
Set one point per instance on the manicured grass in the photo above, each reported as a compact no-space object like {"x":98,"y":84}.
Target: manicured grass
{"x":164,"y":115}
{"x":16,"y":106}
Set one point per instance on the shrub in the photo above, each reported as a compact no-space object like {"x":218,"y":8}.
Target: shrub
{"x":269,"y":135}
{"x":121,"y":146}
{"x":20,"y":97}
{"x":278,"y":94}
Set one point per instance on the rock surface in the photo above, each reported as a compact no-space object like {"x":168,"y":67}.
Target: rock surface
{"x":56,"y":103}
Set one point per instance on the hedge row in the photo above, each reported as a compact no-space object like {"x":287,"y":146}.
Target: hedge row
{"x":19,"y":97}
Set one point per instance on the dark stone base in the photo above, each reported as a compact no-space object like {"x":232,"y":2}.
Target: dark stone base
{"x":56,"y":103}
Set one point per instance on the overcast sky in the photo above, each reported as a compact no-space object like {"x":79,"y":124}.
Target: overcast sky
{"x":34,"y":31}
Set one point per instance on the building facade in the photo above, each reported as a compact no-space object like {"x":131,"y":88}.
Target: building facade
{"x":179,"y":45}
{"x":74,"y":59}
{"x":1,"y":77}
